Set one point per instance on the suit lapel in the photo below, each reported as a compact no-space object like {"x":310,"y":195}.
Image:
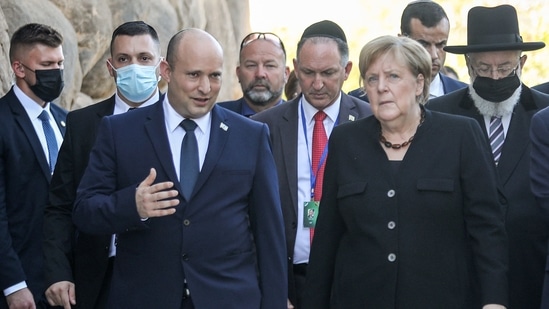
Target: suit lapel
{"x":25,"y":123}
{"x":219,"y":134}
{"x":156,"y":129}
{"x":60,"y":116}
{"x":288,"y":132}
{"x":347,"y":110}
{"x":517,"y":139}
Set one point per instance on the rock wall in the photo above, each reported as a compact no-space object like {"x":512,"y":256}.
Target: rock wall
{"x":87,"y":26}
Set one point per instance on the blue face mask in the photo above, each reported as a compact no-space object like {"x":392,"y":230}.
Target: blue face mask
{"x":136,"y":82}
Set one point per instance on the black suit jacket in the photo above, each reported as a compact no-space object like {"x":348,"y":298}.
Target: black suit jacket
{"x":64,"y":248}
{"x":407,"y":238}
{"x":24,"y":184}
{"x":283,"y":124}
{"x":526,"y":228}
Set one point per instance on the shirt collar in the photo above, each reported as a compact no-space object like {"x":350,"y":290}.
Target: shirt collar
{"x":173,"y":119}
{"x":436,"y":88}
{"x":32,"y":108}
{"x":332,"y":111}
{"x":121,"y":107}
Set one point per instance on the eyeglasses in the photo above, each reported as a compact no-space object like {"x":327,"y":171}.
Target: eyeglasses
{"x":271,"y":37}
{"x":486,"y":70}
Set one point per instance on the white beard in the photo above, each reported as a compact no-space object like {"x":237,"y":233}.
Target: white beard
{"x":495,"y":109}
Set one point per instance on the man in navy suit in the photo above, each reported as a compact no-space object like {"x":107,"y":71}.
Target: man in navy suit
{"x":503,"y":107}
{"x":31,"y":131}
{"x":78,"y":266}
{"x":427,"y":23}
{"x":191,"y":191}
{"x":542,"y":87}
{"x":539,"y":175}
{"x":322,"y":65}
{"x":262,"y":73}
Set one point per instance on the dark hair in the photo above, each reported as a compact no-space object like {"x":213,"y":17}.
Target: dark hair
{"x":291,"y":87}
{"x":32,"y":34}
{"x":428,"y":12}
{"x":133,"y":28}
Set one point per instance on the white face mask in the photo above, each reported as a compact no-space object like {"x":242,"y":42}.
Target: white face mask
{"x":136,"y":82}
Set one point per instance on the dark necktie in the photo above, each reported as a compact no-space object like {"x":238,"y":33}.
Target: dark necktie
{"x":51,"y":141}
{"x":496,"y":137}
{"x":189,"y":166}
{"x":319,"y":144}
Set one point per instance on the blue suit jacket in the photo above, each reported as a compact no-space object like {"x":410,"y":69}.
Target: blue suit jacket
{"x":238,"y":105}
{"x":24,"y":185}
{"x":227,"y":241}
{"x":448,"y":84}
{"x":539,"y":176}
{"x":542,"y":87}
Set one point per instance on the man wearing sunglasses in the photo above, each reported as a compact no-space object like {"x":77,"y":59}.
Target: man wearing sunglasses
{"x":504,"y":107}
{"x":262,"y":73}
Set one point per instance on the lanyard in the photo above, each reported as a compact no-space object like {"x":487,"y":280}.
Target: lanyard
{"x":322,"y":157}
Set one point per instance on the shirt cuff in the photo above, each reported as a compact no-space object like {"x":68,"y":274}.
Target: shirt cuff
{"x":14,"y":288}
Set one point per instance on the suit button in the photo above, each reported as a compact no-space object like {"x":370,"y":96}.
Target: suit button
{"x":392,"y":257}
{"x":391,"y":193}
{"x":185,"y":257}
{"x":391,"y":225}
{"x":186,"y":222}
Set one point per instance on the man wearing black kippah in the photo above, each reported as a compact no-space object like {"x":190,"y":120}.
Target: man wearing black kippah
{"x":299,"y":133}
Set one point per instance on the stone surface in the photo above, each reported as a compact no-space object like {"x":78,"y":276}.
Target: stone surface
{"x":87,"y":28}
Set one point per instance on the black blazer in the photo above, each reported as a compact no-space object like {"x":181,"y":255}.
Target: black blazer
{"x":526,"y":228}
{"x":24,"y":184}
{"x":542,"y":87}
{"x":63,"y":249}
{"x":408,"y":238}
{"x":283,"y":124}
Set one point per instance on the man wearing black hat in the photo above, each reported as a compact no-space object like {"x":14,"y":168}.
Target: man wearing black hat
{"x":299,"y":134}
{"x":504,"y":106}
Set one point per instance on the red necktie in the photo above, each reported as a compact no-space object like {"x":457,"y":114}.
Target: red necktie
{"x":319,"y":144}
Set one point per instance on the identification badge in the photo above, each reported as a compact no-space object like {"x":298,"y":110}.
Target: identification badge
{"x":310,"y":213}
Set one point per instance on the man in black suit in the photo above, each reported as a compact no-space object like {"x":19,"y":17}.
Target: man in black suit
{"x":427,"y":23}
{"x":31,"y":130}
{"x":75,"y":260}
{"x":321,"y":65}
{"x":504,"y":106}
{"x":262,"y":73}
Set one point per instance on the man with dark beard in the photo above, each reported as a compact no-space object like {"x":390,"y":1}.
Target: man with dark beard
{"x":504,"y":107}
{"x":262,"y":74}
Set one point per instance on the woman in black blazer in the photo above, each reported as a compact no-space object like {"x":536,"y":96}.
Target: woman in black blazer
{"x":409,"y":216}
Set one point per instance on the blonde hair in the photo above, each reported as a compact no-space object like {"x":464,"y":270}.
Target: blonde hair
{"x":411,"y":52}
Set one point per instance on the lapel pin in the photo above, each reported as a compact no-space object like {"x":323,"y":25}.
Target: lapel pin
{"x":223,"y":126}
{"x":63,"y":123}
{"x":351,"y":118}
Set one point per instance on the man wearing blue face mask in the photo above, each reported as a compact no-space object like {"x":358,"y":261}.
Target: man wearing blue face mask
{"x":78,"y":266}
{"x":504,"y":107}
{"x":31,"y":130}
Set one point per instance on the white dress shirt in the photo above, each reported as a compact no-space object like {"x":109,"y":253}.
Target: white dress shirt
{"x":304,"y":159}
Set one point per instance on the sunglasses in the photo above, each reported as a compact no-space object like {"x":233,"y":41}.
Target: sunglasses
{"x":271,"y":37}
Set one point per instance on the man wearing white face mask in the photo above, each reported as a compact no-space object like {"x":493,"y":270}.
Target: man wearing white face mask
{"x":78,"y":266}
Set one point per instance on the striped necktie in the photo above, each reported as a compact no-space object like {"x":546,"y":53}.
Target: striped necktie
{"x":496,"y":137}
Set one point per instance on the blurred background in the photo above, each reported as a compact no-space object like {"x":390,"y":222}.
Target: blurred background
{"x":364,"y":20}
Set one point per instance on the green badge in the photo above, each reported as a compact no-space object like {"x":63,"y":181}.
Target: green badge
{"x":310,"y":213}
